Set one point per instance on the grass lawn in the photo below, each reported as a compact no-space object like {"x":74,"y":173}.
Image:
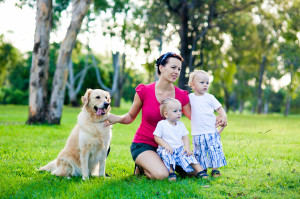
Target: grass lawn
{"x":263,"y":156}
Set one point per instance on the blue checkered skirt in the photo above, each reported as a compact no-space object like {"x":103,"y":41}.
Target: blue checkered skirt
{"x":177,"y":158}
{"x":208,"y":150}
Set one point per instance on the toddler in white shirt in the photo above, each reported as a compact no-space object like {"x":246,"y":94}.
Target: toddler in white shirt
{"x":172,"y":137}
{"x":206,"y":137}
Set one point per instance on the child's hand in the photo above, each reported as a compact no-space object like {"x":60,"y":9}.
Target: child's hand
{"x":188,"y":152}
{"x":169,"y":149}
{"x":221,"y":121}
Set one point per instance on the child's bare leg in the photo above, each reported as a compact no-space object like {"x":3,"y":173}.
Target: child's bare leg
{"x":215,"y":172}
{"x":171,"y":169}
{"x":172,"y":175}
{"x":199,"y":169}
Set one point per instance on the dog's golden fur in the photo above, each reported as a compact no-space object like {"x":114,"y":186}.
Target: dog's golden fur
{"x":86,"y":148}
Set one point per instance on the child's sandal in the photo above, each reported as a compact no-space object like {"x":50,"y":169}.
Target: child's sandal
{"x":202,"y":174}
{"x":172,"y":177}
{"x":215,"y":173}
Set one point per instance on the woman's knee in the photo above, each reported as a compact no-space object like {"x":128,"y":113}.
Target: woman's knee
{"x":160,"y":174}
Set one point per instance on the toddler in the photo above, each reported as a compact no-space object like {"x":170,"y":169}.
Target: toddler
{"x":206,"y":137}
{"x":172,"y":137}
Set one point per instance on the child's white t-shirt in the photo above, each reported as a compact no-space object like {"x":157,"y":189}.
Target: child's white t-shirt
{"x":172,"y":134}
{"x":203,"y":119}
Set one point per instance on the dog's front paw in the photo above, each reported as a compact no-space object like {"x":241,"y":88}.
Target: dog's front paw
{"x":85,"y":177}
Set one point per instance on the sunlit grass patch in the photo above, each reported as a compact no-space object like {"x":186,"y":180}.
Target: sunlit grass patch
{"x":262,"y":153}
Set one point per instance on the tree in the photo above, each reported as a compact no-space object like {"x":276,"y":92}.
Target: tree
{"x":120,"y":26}
{"x":13,"y":74}
{"x":80,"y":9}
{"x":195,"y":19}
{"x":116,"y":67}
{"x":78,"y":67}
{"x":40,"y":64}
{"x":289,"y":48}
{"x":8,"y":57}
{"x":73,"y":89}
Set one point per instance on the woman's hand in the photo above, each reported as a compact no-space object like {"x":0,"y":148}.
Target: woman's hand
{"x":112,"y":119}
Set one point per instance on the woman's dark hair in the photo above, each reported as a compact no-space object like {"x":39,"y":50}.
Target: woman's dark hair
{"x":163,"y":60}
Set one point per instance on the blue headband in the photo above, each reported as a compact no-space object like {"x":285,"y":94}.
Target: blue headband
{"x":165,"y":56}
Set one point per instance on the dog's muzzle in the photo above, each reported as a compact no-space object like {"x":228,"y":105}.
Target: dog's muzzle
{"x":106,"y":105}
{"x":101,"y":111}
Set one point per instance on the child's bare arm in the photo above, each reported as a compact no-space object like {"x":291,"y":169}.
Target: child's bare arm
{"x":222,"y":118}
{"x":163,"y":144}
{"x":186,"y":145}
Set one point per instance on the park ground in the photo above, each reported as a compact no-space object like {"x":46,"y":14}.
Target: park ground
{"x":262,"y":151}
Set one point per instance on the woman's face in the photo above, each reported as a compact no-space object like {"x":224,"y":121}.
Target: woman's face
{"x":171,"y":70}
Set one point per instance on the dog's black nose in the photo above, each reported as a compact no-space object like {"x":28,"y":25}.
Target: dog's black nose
{"x":106,"y":104}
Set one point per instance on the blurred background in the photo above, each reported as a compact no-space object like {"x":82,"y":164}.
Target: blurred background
{"x":52,"y":51}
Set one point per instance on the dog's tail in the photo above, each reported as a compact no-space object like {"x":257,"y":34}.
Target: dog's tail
{"x":51,"y":166}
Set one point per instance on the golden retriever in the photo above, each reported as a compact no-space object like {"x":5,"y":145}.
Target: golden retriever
{"x":86,"y":148}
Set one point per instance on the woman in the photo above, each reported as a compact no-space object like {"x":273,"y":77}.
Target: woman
{"x":148,"y":98}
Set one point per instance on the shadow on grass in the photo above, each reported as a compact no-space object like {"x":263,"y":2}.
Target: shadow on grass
{"x":44,"y":185}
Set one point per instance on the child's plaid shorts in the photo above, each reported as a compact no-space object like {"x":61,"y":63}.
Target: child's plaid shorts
{"x":208,"y":150}
{"x":177,"y":158}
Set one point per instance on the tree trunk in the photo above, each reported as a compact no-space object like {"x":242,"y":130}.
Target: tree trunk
{"x":287,"y":105}
{"x":235,"y":105}
{"x":184,"y":43}
{"x":266,"y":107}
{"x":116,"y":66}
{"x":71,"y":86}
{"x":121,"y":82}
{"x":241,"y":106}
{"x":40,"y":64}
{"x":260,"y":79}
{"x":290,"y":91}
{"x":253,"y":109}
{"x":73,"y":90}
{"x":156,"y":77}
{"x":80,"y":9}
{"x":226,"y":98}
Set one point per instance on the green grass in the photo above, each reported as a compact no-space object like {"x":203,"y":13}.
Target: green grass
{"x":263,"y":156}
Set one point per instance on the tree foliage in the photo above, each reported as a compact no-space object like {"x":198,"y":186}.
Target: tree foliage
{"x":246,"y":45}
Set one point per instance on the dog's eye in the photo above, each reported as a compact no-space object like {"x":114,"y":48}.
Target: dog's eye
{"x":98,"y":97}
{"x":105,"y":97}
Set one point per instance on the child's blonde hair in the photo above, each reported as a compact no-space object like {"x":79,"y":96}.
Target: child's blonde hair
{"x":193,"y":75}
{"x":165,"y":103}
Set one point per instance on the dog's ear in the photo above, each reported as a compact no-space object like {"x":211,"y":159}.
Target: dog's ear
{"x":85,"y":98}
{"x":108,"y":97}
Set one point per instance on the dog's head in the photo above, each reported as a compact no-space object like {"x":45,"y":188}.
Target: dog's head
{"x":96,"y":101}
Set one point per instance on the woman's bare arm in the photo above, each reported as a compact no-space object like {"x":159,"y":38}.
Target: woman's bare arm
{"x":187,"y":110}
{"x":130,"y":116}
